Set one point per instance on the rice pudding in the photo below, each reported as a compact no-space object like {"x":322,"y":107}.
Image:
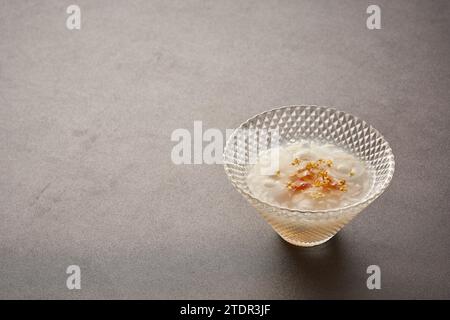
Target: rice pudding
{"x":309,"y":176}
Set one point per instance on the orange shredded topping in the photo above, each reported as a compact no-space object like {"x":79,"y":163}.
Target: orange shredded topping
{"x":314,"y":174}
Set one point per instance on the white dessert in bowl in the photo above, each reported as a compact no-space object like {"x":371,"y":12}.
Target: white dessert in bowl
{"x":332,"y":165}
{"x":309,"y":176}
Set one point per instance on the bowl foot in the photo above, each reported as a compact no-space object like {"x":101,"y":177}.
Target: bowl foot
{"x":305,"y":244}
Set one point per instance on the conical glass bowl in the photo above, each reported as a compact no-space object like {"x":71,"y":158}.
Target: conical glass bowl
{"x":298,"y":123}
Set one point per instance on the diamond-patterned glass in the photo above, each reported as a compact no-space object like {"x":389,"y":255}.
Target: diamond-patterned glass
{"x":294,"y":123}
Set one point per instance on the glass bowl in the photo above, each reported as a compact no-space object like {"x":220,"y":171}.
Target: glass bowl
{"x":291,"y":124}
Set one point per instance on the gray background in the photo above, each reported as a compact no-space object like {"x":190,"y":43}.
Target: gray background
{"x":85,"y":124}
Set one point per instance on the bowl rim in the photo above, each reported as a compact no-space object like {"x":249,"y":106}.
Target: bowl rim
{"x":365,"y":201}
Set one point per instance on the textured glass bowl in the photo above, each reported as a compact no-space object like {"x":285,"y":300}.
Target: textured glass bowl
{"x":294,"y":123}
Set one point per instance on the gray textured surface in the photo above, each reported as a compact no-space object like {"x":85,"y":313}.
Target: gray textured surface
{"x":85,"y":124}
